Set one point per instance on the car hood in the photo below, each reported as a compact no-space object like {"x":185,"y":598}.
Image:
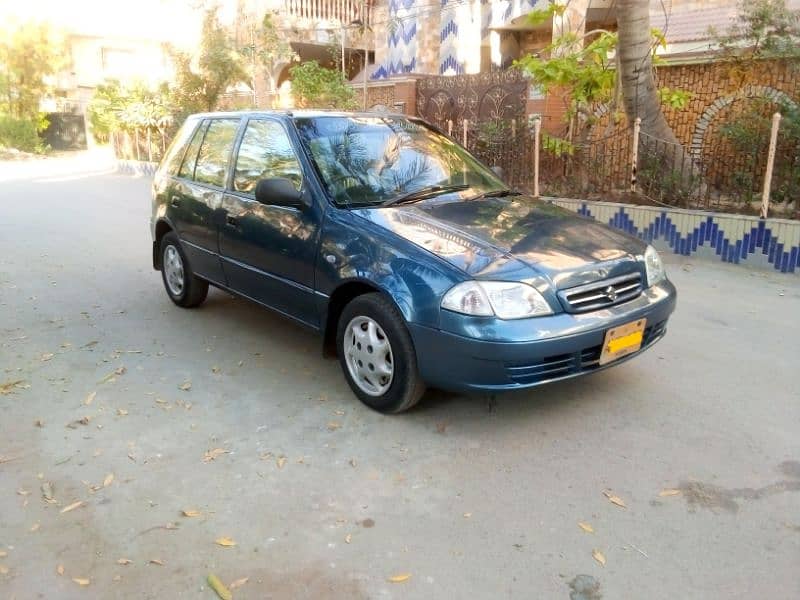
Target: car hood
{"x":513,"y":238}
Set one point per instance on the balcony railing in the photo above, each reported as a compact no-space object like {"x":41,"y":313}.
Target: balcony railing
{"x":344,"y":11}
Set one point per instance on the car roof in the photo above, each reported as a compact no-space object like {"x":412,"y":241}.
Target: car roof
{"x":298,"y":113}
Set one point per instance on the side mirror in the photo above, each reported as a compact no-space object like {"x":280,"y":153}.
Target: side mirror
{"x":279,"y":191}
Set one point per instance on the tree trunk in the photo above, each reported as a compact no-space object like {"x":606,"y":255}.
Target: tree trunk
{"x":639,"y":92}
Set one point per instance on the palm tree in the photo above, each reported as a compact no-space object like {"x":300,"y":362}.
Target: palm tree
{"x":639,"y":92}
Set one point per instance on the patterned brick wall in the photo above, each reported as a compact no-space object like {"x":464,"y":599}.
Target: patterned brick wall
{"x":712,"y":83}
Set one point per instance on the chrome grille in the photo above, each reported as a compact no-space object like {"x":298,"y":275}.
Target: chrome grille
{"x":601,"y":294}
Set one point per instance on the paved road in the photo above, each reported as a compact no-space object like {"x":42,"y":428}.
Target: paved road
{"x":326,"y":499}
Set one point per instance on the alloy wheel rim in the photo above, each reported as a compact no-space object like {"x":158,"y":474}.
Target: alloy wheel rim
{"x":173,"y":270}
{"x":368,"y":355}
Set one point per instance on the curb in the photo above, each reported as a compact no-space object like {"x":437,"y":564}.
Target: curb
{"x":767,"y":244}
{"x":136,"y":167}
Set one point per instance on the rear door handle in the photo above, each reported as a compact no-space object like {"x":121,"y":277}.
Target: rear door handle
{"x":232,"y":221}
{"x":175,"y":201}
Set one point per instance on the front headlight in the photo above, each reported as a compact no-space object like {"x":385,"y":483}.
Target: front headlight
{"x":506,"y":299}
{"x":653,"y":266}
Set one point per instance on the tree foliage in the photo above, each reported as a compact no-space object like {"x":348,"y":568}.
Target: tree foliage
{"x":117,"y":108}
{"x":584,"y":72}
{"x":763,"y":29}
{"x":318,"y":87}
{"x":266,"y":50}
{"x":29,"y":54}
{"x":219,"y":66}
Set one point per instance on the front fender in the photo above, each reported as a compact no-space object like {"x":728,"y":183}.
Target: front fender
{"x":353,"y":249}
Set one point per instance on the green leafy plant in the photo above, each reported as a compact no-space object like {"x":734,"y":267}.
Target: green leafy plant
{"x":21,"y":134}
{"x":674,"y":98}
{"x":318,"y":87}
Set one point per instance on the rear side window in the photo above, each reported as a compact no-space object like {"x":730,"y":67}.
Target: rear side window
{"x":215,"y":152}
{"x":187,"y":167}
{"x":174,"y":155}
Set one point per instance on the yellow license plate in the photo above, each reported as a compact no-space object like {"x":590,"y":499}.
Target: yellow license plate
{"x":623,"y":340}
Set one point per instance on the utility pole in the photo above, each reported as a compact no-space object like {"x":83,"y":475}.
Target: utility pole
{"x":366,"y":48}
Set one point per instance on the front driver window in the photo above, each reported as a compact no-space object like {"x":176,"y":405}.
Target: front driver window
{"x":266,"y":152}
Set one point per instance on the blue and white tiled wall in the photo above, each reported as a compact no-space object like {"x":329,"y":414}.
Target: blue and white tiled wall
{"x":401,"y":53}
{"x":738,"y":239}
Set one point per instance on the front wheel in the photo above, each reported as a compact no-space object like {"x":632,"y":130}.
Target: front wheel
{"x":377,"y":355}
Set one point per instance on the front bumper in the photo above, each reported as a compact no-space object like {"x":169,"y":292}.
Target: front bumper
{"x":528,"y":352}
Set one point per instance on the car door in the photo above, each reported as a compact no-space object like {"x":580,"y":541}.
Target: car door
{"x":196,"y":196}
{"x":268,"y":251}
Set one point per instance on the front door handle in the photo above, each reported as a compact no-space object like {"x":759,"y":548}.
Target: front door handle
{"x":175,"y":201}
{"x":232,"y":221}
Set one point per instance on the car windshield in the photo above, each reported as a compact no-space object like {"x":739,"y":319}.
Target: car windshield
{"x":372,"y":161}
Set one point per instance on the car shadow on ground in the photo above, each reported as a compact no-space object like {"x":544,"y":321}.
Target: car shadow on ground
{"x":294,"y":342}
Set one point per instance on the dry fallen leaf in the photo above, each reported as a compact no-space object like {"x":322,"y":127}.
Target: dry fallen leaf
{"x":156,"y":561}
{"x":47,"y":356}
{"x":191,"y":513}
{"x":669,"y":492}
{"x":586,"y":527}
{"x":124,"y":561}
{"x":122,"y":412}
{"x":108,"y":480}
{"x":3,"y":570}
{"x":8,"y":386}
{"x":467,"y":515}
{"x":281,"y":461}
{"x":90,"y":398}
{"x":72,"y":506}
{"x":224,"y":541}
{"x":185,"y":386}
{"x":35,"y":527}
{"x":47,"y":492}
{"x":348,"y":538}
{"x":81,"y":581}
{"x":82,"y":421}
{"x":39,"y":423}
{"x":213,"y":454}
{"x":60,"y":569}
{"x":3,"y":553}
{"x":400,"y":578}
{"x":113,"y":375}
{"x":352,"y":462}
{"x":599,"y":557}
{"x":215,"y":584}
{"x":333,"y":426}
{"x":615,"y":499}
{"x":238,"y":583}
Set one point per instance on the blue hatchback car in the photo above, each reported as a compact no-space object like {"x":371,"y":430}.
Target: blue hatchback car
{"x":415,"y":262}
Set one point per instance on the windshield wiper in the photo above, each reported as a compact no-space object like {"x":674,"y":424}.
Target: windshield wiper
{"x":426,"y":192}
{"x":496,"y":194}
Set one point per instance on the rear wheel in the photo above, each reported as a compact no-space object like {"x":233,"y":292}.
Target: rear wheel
{"x":183,"y":287}
{"x":377,"y":355}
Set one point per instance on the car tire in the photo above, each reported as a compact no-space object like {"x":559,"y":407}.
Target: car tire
{"x":183,"y":287}
{"x":371,"y":339}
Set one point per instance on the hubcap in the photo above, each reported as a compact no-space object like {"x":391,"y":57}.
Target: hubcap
{"x":369,"y":356}
{"x":173,"y":270}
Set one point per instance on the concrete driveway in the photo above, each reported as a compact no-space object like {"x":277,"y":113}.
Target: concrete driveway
{"x":129,"y":410}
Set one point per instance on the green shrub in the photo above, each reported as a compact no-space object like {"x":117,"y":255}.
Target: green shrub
{"x":21,"y":134}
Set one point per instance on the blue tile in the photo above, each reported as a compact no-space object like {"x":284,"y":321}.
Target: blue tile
{"x":761,"y":228}
{"x":718,"y":244}
{"x":738,"y":251}
{"x":765,"y":246}
{"x":785,"y":262}
{"x":724,"y":249}
{"x":702,"y":232}
{"x":793,"y":258}
{"x":741,"y":247}
{"x":778,"y":258}
{"x":751,"y":247}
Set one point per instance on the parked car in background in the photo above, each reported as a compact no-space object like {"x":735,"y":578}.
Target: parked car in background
{"x":415,"y":262}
